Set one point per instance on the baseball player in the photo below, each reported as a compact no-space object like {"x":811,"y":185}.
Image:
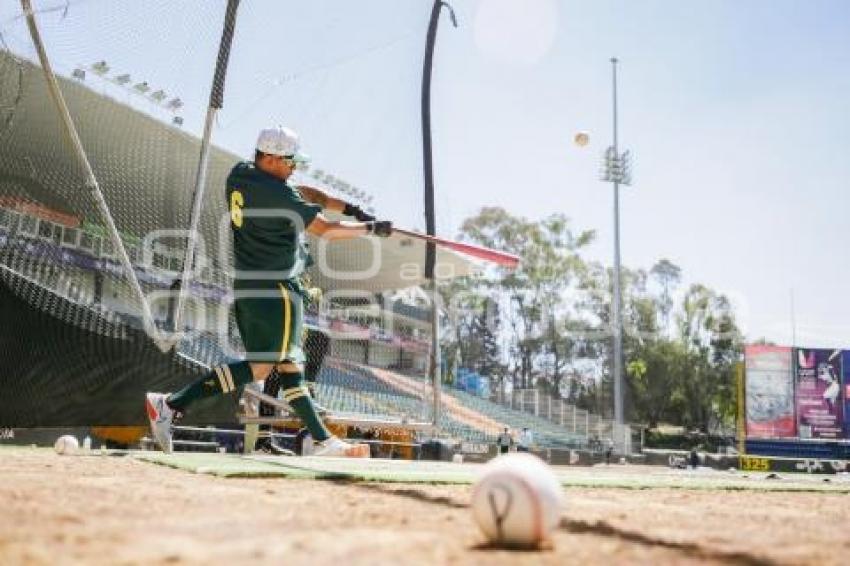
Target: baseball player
{"x":269,"y":219}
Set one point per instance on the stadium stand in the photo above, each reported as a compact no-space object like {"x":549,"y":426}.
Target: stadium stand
{"x":348,"y":387}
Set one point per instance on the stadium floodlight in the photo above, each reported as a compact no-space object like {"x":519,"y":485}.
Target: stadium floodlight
{"x":158,"y":96}
{"x":616,"y":169}
{"x":79,"y":74}
{"x":100,"y":68}
{"x":122,"y":79}
{"x":141,"y":87}
{"x":174,"y":104}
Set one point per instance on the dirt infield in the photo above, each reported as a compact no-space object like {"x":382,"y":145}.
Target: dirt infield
{"x":118,"y":510}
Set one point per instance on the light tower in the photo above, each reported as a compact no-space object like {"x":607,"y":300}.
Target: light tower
{"x":617,"y":170}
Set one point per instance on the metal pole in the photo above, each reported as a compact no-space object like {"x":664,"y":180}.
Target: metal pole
{"x":91,"y":182}
{"x":215,"y":103}
{"x":430,"y":217}
{"x":617,"y":315}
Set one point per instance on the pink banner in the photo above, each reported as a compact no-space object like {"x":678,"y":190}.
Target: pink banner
{"x":769,"y":392}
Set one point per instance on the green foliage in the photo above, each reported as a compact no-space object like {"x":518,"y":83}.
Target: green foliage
{"x":548,"y":325}
{"x":534,"y":294}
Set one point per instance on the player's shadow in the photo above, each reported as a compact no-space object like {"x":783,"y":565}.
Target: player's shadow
{"x":601,"y":528}
{"x":580,"y":527}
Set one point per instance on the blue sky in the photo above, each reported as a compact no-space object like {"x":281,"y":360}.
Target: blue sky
{"x":736,"y":113}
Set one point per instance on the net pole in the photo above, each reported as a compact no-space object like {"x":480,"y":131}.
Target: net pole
{"x":216,"y":102}
{"x":430,"y":217}
{"x":91,"y":181}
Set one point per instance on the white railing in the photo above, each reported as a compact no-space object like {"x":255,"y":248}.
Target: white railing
{"x":598,"y":431}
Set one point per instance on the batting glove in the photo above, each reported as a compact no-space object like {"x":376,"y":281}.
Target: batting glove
{"x":380,"y":228}
{"x":357,"y":212}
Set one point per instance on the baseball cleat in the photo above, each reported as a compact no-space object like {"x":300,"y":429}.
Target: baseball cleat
{"x":336,"y":448}
{"x":161,"y":418}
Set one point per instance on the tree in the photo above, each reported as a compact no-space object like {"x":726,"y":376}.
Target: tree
{"x":668,"y":275}
{"x":535,"y":291}
{"x":709,"y":333}
{"x":655,"y":377}
{"x":554,"y":312}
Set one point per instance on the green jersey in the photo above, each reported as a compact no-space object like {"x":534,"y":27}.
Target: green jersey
{"x":268,"y":218}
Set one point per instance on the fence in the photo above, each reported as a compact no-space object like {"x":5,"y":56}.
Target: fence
{"x":595,"y":430}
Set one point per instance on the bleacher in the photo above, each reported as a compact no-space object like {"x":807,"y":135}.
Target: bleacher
{"x":546,"y":433}
{"x":342,"y":389}
{"x":348,"y":387}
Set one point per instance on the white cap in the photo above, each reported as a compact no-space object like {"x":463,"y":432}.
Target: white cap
{"x":281,"y":141}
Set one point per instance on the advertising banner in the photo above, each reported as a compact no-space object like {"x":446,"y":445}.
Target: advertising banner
{"x":770,"y":392}
{"x":820,"y":403}
{"x":845,"y":382}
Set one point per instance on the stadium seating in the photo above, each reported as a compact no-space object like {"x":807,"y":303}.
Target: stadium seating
{"x":347,"y":387}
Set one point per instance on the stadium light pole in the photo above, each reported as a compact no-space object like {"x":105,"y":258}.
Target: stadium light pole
{"x":430,"y":217}
{"x":617,"y":170}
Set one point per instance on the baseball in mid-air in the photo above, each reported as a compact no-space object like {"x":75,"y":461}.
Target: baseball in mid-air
{"x":581,"y":139}
{"x":66,"y":445}
{"x":517,"y":501}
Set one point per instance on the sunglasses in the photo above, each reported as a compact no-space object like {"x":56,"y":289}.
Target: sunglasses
{"x":289,"y":160}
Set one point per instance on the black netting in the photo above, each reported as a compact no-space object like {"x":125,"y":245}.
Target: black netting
{"x":136,"y":77}
{"x":74,"y":350}
{"x":68,"y":364}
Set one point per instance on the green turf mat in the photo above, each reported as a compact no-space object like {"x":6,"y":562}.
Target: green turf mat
{"x":393,"y":471}
{"x":404,"y":471}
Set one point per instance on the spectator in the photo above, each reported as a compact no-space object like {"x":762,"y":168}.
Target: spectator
{"x":505,"y":441}
{"x":693,"y":459}
{"x":526,"y":440}
{"x":609,"y":451}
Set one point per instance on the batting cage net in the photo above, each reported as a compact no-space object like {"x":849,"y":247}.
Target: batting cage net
{"x":119,"y":123}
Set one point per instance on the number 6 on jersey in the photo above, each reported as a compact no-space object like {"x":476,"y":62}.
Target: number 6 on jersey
{"x":237,"y":201}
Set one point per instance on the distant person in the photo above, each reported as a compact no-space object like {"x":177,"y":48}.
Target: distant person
{"x":526,"y":440}
{"x":693,"y":459}
{"x":270,"y":219}
{"x":505,"y":441}
{"x":609,"y":451}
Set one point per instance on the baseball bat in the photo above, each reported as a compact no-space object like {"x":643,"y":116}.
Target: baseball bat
{"x":502,"y":259}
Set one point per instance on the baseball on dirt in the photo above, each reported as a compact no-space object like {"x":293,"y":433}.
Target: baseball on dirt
{"x":517,"y":500}
{"x":581,"y":139}
{"x":66,"y":445}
